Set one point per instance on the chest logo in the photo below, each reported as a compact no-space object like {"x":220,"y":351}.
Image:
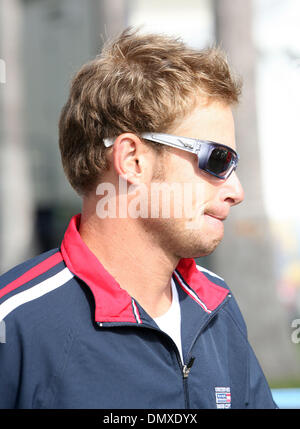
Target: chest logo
{"x":223,"y":397}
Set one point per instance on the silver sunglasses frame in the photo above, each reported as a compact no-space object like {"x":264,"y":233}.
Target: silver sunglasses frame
{"x":189,"y":145}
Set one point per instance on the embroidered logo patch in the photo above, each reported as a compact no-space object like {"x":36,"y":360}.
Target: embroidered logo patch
{"x":223,"y":397}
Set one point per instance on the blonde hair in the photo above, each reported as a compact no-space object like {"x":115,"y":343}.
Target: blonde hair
{"x":139,"y":82}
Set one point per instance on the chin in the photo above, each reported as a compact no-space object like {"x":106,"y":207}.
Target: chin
{"x":181,"y":241}
{"x":194,"y":249}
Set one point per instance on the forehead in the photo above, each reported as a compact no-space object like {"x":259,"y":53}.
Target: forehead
{"x":209,"y":121}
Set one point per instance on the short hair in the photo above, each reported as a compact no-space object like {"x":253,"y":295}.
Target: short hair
{"x":139,"y":83}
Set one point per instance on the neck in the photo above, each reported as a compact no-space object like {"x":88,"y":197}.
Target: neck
{"x":131,"y":256}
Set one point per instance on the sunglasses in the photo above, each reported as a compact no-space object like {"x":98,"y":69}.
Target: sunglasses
{"x":214,"y":158}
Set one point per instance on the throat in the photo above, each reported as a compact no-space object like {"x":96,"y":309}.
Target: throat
{"x":155,"y":303}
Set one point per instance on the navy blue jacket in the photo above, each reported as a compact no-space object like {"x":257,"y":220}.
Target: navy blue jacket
{"x":75,"y":339}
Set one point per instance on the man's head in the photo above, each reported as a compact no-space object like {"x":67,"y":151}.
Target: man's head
{"x":153,"y":83}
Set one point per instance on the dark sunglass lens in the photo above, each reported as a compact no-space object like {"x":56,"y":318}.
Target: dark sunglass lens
{"x":219,"y":161}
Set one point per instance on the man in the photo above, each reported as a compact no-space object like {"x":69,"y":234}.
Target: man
{"x":120,"y":316}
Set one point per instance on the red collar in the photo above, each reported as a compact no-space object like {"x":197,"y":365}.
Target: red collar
{"x":114,"y":304}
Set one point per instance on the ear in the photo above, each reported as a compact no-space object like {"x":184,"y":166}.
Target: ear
{"x":132,"y":159}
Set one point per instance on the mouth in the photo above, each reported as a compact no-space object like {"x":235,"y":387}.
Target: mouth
{"x":217,"y":217}
{"x":215,"y":222}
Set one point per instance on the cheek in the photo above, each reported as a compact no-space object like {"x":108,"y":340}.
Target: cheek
{"x":199,"y":195}
{"x":181,"y":167}
{"x":194,"y":190}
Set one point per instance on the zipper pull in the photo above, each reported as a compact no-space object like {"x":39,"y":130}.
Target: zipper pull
{"x":186,"y":368}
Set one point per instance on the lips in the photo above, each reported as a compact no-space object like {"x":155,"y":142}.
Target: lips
{"x":218,"y":216}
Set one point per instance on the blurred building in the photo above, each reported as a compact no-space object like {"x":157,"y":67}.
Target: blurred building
{"x":44,"y":42}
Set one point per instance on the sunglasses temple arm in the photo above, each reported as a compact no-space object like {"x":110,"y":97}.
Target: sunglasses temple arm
{"x":108,"y":142}
{"x":188,"y":147}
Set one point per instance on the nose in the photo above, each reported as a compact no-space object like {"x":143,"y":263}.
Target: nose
{"x":233,"y":190}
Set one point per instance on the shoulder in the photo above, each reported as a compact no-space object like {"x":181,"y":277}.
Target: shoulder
{"x":44,"y":260}
{"x":27,"y":284}
{"x":36,"y":302}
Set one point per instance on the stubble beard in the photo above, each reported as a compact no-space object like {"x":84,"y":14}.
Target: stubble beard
{"x":177,"y":240}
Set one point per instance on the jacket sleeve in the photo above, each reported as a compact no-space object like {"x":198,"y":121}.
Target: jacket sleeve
{"x":259,"y":393}
{"x":10,"y":366}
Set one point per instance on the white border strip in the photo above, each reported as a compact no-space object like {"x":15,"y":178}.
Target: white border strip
{"x":204,"y":270}
{"x":192,"y":293}
{"x":135,"y":311}
{"x":35,"y":292}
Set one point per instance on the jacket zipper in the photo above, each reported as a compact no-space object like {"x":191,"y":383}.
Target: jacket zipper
{"x":184,"y":368}
{"x":190,"y":359}
{"x":185,"y":372}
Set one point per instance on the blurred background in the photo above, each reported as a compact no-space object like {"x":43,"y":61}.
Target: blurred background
{"x":42,"y":45}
